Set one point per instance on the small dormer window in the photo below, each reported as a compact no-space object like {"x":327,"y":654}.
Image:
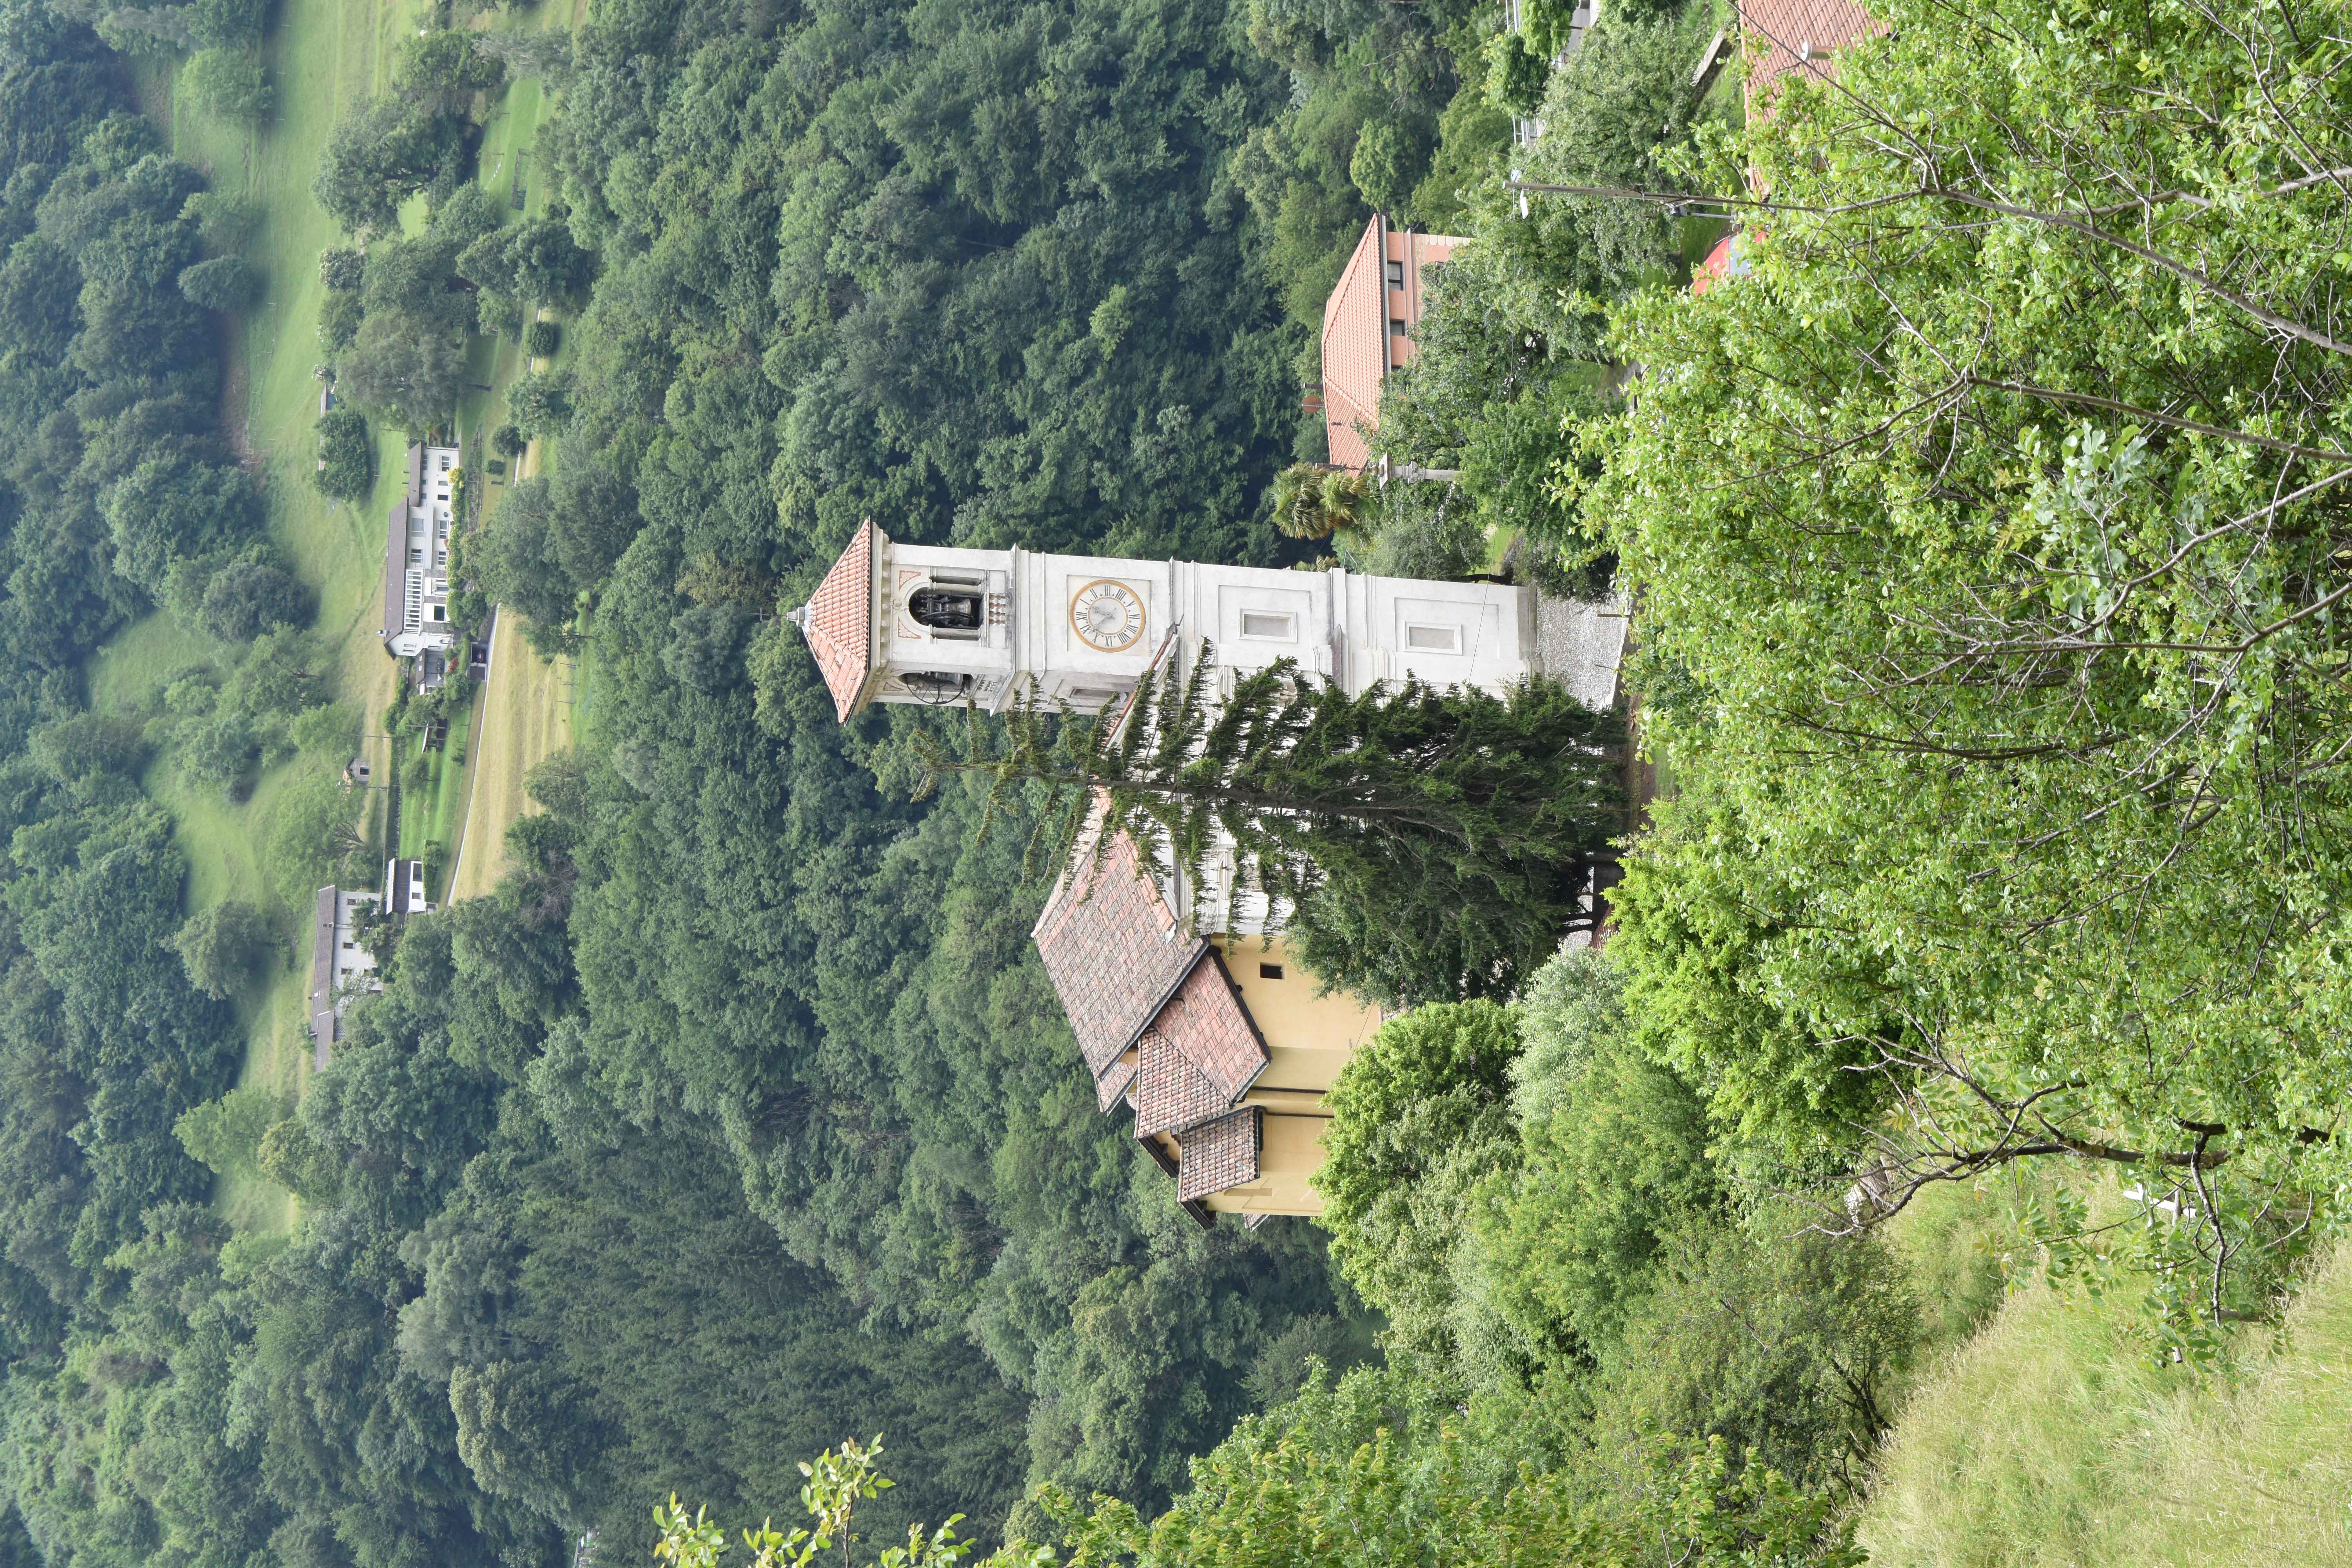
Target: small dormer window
{"x":947,"y":609}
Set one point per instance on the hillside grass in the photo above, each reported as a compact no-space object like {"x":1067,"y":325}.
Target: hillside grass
{"x":525,"y":716}
{"x":323,"y":56}
{"x":2051,"y":1438}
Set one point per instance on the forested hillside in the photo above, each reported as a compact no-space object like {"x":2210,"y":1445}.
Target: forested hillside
{"x":1983,"y":939}
{"x":743,"y":1111}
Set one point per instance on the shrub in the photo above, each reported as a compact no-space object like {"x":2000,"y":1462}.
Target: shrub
{"x":1419,"y":1115}
{"x":220,"y":947}
{"x":1781,"y":1341}
{"x":542,"y":338}
{"x":343,"y":268}
{"x":540,"y":403}
{"x":248,"y":598}
{"x":227,"y":84}
{"x":339,"y":321}
{"x":507,"y":441}
{"x":349,"y":452}
{"x":1615,"y":1162}
{"x":223,"y":283}
{"x":296,"y":1161}
{"x":226,"y":1133}
{"x":496,"y":314}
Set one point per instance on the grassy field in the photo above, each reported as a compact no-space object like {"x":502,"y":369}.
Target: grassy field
{"x":2040,"y":1433}
{"x":323,"y":54}
{"x":525,"y":715}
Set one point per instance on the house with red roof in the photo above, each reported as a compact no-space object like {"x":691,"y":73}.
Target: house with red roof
{"x":1214,"y":1039}
{"x":1368,"y":328}
{"x":1796,"y":36}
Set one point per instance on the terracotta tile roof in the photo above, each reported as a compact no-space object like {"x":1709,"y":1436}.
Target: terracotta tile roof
{"x":1113,"y":1083}
{"x":1800,"y":35}
{"x":1355,"y":351}
{"x":1217,"y":1155}
{"x":1205,"y":1021}
{"x":1113,"y":951}
{"x":1358,"y":350}
{"x":838,"y":621}
{"x":1172,"y":1094}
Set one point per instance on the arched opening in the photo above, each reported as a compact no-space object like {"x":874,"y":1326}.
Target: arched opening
{"x":934,"y":685}
{"x":946,"y":609}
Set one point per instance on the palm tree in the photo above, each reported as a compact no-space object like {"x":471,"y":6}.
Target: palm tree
{"x":1315,"y":500}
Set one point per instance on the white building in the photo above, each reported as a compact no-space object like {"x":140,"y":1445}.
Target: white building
{"x":905,"y":623}
{"x":416,"y":564}
{"x":339,"y":966}
{"x":403,"y":888}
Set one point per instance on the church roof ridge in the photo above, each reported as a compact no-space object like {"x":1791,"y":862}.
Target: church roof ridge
{"x":838,"y":621}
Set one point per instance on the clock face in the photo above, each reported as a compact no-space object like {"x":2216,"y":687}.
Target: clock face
{"x":1106,"y":615}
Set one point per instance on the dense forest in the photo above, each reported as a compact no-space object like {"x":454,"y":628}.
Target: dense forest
{"x":1985,"y":936}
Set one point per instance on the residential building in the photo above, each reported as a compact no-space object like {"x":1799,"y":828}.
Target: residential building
{"x":339,"y":966}
{"x":1187,"y":1004}
{"x":1796,"y":36}
{"x":417,"y":542}
{"x":403,"y":888}
{"x":1528,"y":130}
{"x":1728,"y":259}
{"x":1368,"y":326}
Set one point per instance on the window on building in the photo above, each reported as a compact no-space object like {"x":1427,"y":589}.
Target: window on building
{"x":436,"y":612}
{"x":950,"y":609}
{"x":1396,"y":326}
{"x":1269,"y":971}
{"x":1396,"y":274}
{"x":1434,"y":639}
{"x":1268,"y":624}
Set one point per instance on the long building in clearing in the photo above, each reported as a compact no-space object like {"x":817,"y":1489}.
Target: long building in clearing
{"x":416,"y":563}
{"x":337,"y":960}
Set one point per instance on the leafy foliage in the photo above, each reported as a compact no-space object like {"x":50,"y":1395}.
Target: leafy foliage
{"x":221,"y":946}
{"x":347,"y":452}
{"x":2028,"y":827}
{"x":229,"y":84}
{"x":1432,"y":844}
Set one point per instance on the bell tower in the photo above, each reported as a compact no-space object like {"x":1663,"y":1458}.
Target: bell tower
{"x":922,"y":624}
{"x":912,"y":623}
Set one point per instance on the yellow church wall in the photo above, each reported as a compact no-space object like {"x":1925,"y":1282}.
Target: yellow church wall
{"x":1289,"y":1149}
{"x":1308,"y":1036}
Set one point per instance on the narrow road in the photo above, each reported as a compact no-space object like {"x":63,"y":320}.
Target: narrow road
{"x":473,"y":756}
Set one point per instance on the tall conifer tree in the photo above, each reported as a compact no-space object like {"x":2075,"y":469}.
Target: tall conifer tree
{"x":1430,"y":843}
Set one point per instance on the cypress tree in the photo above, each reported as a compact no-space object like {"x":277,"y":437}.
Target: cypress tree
{"x":1430,"y":843}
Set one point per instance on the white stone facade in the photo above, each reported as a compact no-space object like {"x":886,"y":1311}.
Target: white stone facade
{"x":952,"y":624}
{"x":416,"y":557}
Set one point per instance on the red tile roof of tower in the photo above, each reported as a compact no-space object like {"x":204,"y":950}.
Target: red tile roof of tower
{"x":838,"y":621}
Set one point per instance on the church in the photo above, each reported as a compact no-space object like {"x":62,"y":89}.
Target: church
{"x":1187,"y":1006}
